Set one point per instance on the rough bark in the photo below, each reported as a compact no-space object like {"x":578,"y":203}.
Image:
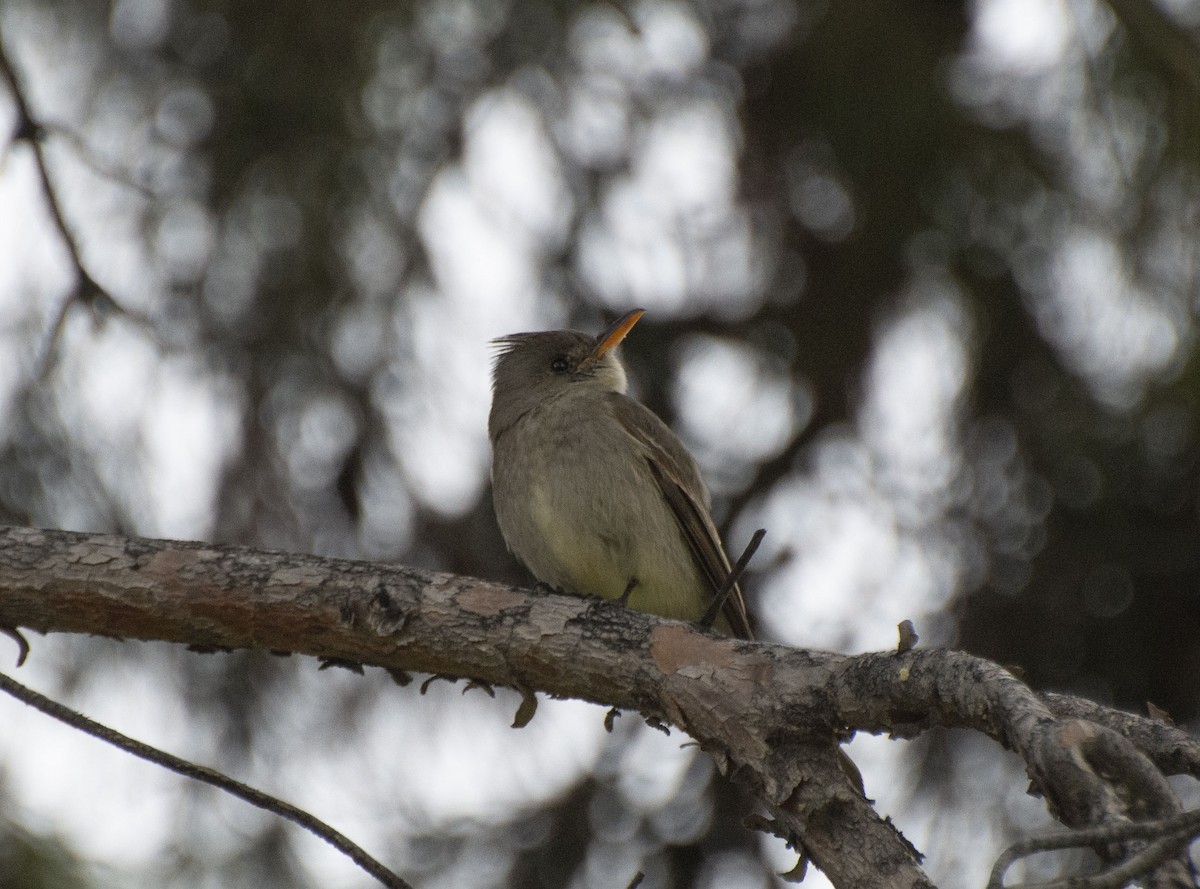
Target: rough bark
{"x":770,"y":715}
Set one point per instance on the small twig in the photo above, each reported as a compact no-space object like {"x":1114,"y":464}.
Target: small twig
{"x":87,"y":291}
{"x":206,"y":775}
{"x":88,"y":156}
{"x":739,"y":569}
{"x":527,"y":709}
{"x":30,"y":130}
{"x":1169,"y":835}
{"x":22,"y":643}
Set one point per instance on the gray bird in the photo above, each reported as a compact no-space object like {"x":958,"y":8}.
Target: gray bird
{"x":593,"y":492}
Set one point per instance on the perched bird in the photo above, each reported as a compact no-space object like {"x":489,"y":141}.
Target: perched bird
{"x":593,"y":492}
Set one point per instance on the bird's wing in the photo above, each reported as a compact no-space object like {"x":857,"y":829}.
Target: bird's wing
{"x":683,"y":488}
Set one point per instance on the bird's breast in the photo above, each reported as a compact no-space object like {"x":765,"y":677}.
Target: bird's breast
{"x":560,"y":490}
{"x":577,"y":504}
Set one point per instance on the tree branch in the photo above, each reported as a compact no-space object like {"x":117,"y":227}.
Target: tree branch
{"x":87,"y":291}
{"x":769,"y":715}
{"x":1169,"y":835}
{"x":1173,"y":750}
{"x":206,"y":775}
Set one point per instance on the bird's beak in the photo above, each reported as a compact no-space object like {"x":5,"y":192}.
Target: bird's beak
{"x":612,"y":336}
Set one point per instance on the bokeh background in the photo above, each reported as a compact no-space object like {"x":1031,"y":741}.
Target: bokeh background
{"x":921,"y":281}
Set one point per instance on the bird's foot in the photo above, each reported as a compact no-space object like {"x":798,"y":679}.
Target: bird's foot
{"x":624,"y":598}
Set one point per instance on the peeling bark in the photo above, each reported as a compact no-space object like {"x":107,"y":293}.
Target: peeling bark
{"x":770,"y":715}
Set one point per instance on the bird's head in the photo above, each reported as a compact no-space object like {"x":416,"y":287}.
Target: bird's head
{"x":533,"y":368}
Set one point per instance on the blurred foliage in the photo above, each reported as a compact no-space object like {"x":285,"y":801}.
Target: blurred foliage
{"x":30,"y":861}
{"x":285,"y":166}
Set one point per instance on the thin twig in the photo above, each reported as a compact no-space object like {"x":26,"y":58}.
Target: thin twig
{"x":30,"y":130}
{"x":22,"y":643}
{"x":735,"y":575}
{"x":87,"y":291}
{"x":207,"y":776}
{"x":1169,"y":835}
{"x":88,"y":156}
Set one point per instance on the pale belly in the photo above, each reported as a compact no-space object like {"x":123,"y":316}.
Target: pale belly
{"x":591,"y":527}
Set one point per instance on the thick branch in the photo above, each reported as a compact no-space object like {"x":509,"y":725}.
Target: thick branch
{"x":404,"y":619}
{"x":767,"y":713}
{"x":1173,"y":750}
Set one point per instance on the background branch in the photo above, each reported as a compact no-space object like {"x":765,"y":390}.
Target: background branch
{"x":205,"y":775}
{"x":87,"y":291}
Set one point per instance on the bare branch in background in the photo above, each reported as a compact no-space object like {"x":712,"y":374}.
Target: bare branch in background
{"x":206,"y":775}
{"x":87,"y":291}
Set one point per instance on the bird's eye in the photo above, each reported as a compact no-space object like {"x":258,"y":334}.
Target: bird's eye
{"x":560,"y":364}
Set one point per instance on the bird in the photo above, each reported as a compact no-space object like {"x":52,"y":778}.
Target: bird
{"x":594,"y":493}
